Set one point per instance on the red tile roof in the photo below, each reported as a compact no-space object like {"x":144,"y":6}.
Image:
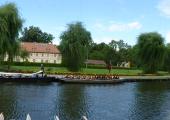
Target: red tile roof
{"x":39,"y":47}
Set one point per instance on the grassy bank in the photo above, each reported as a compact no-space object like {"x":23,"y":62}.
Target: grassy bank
{"x":55,"y":70}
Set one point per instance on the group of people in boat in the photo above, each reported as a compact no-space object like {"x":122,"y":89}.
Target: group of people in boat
{"x":93,"y":77}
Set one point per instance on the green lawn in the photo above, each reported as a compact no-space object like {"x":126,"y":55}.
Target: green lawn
{"x":87,"y":71}
{"x":53,"y":70}
{"x":113,"y":71}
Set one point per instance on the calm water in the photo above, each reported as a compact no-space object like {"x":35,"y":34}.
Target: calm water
{"x":129,"y":101}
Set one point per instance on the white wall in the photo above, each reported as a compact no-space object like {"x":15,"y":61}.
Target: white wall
{"x":41,"y":58}
{"x":45,"y":58}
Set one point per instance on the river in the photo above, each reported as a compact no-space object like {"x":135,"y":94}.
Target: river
{"x":128,"y":101}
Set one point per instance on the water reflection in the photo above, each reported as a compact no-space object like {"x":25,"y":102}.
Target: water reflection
{"x":7,"y":101}
{"x":16,"y":100}
{"x":72,"y":102}
{"x":149,"y":99}
{"x":131,"y":101}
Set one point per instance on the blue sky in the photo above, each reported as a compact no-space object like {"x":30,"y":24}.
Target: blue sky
{"x":105,"y":19}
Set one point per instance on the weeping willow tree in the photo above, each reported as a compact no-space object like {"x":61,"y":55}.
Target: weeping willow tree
{"x":75,"y":42}
{"x":24,"y":55}
{"x":10,"y":25}
{"x":166,"y":64}
{"x":151,"y":51}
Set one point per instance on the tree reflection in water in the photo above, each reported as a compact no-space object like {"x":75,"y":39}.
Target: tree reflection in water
{"x":72,"y":102}
{"x":7,"y":100}
{"x":39,"y":100}
{"x":149,"y":99}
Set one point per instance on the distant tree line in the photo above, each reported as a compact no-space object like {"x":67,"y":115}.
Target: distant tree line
{"x":149,"y":54}
{"x":115,"y":52}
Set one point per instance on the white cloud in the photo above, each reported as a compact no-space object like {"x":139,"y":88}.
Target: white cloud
{"x":125,"y":27}
{"x":119,"y":27}
{"x":168,"y":37}
{"x":164,"y":7}
{"x":99,"y":25}
{"x":134,"y":25}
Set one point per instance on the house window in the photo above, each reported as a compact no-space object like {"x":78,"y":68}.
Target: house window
{"x":46,"y":61}
{"x":33,"y":60}
{"x":47,"y":55}
{"x":36,"y":54}
{"x":54,"y":55}
{"x":42,"y":54}
{"x":54,"y":61}
{"x":41,"y":61}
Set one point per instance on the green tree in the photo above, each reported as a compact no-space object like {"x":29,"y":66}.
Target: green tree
{"x":24,"y":54}
{"x":120,"y":52}
{"x":151,"y":51}
{"x":112,"y":56}
{"x":35,"y":34}
{"x":117,"y":45}
{"x":125,"y":54}
{"x":98,"y":51}
{"x":113,"y":44}
{"x":75,"y":42}
{"x":166,"y":65}
{"x":133,"y":56}
{"x":11,"y":24}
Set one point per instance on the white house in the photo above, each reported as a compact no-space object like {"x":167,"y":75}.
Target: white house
{"x":41,"y":53}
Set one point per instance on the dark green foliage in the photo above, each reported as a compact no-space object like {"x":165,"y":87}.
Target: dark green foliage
{"x":24,"y":55}
{"x":166,"y":65}
{"x":133,"y":56}
{"x":10,"y":25}
{"x":35,"y":34}
{"x":75,"y":42}
{"x":98,"y":51}
{"x":114,"y":52}
{"x":151,"y":51}
{"x":96,"y":55}
{"x":33,"y":64}
{"x":59,"y":65}
{"x":121,"y":52}
{"x":112,"y":57}
{"x":118,"y":45}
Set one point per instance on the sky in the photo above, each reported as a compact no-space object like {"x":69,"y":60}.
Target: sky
{"x":106,"y":19}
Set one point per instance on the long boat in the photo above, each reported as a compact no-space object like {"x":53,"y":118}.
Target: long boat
{"x":18,"y":77}
{"x":27,"y":79}
{"x":87,"y":81}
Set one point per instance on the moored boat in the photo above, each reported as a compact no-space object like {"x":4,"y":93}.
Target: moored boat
{"x":88,"y":81}
{"x":18,"y":77}
{"x":91,"y":79}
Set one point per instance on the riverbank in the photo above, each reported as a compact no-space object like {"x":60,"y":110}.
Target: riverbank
{"x":79,"y":78}
{"x":63,"y":70}
{"x":145,"y":78}
{"x":122,"y":79}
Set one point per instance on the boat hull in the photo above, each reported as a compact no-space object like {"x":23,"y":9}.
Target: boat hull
{"x":80,"y":81}
{"x":28,"y":79}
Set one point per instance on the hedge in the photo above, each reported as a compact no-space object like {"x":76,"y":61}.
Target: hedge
{"x":61,"y":65}
{"x":33,"y":64}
